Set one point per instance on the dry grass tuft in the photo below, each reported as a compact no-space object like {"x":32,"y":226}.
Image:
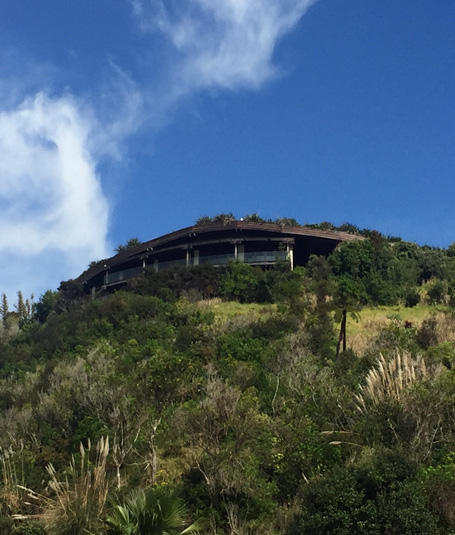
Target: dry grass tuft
{"x":80,"y":497}
{"x":390,"y":379}
{"x":208,"y":303}
{"x":445,"y":328}
{"x":12,"y":471}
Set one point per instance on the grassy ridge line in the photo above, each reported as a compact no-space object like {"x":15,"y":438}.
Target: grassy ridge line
{"x":369,"y":322}
{"x":372,"y":320}
{"x":367,"y":317}
{"x":227,"y":310}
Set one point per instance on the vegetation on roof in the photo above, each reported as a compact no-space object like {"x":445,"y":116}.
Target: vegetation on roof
{"x":288,"y":222}
{"x":130,"y":244}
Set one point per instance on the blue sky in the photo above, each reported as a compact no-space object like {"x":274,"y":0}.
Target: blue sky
{"x":123,"y":118}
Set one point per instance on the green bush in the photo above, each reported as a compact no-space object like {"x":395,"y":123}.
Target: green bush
{"x":412,"y":299}
{"x":6,"y":525}
{"x":378,"y":495}
{"x":437,"y":292}
{"x":29,"y":527}
{"x":239,"y":282}
{"x":427,"y":334}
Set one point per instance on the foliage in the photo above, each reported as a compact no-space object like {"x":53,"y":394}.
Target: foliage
{"x":4,"y":308}
{"x":195,"y":283}
{"x":412,"y":298}
{"x":390,"y":379}
{"x":130,"y":244}
{"x":439,"y":482}
{"x":426,"y":335}
{"x":240,"y":407}
{"x":254,"y":218}
{"x":287,"y":222}
{"x":376,"y":495}
{"x":80,"y":499}
{"x":239,"y":282}
{"x":29,"y":527}
{"x":203,"y":220}
{"x":46,"y":304}
{"x":153,"y":511}
{"x":437,"y":292}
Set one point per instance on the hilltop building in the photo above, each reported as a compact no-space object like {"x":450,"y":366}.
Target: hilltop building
{"x":257,"y":244}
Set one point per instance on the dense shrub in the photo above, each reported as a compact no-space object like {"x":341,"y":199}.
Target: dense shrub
{"x":412,"y":298}
{"x":371,"y":498}
{"x":437,"y":292}
{"x":239,"y":282}
{"x":427,"y":334}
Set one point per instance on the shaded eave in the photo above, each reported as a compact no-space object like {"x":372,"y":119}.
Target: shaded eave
{"x":195,"y":231}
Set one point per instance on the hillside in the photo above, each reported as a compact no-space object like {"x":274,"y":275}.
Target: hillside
{"x":313,"y":401}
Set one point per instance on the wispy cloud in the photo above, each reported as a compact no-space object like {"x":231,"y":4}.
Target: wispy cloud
{"x":221,"y":43}
{"x":51,"y":201}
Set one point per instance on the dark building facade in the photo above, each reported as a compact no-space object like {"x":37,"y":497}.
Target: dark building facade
{"x":257,"y":244}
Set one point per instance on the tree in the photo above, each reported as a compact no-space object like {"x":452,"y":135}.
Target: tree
{"x":224,"y":218}
{"x":239,"y":282}
{"x":23,"y":308}
{"x":324,"y":225}
{"x":348,"y":296}
{"x":4,"y":309}
{"x":320,"y":324}
{"x":349,"y":227}
{"x":287,"y":222}
{"x":377,"y":494}
{"x":437,"y":292}
{"x":130,"y":244}
{"x":254,"y":218}
{"x":46,"y":304}
{"x":204,"y":220}
{"x":367,"y":264}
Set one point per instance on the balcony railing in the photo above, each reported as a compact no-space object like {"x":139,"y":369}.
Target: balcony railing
{"x":217,"y":259}
{"x":125,"y":274}
{"x":168,"y":263}
{"x":264,"y":257}
{"x":258,"y":257}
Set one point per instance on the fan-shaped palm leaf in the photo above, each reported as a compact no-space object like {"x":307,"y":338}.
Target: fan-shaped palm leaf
{"x":154,"y":511}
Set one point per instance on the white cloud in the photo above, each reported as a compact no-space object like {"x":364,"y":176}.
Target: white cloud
{"x":222,"y":43}
{"x":51,"y":202}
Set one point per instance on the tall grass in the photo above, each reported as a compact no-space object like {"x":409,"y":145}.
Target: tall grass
{"x":390,"y":379}
{"x":79,"y":500}
{"x":12,"y":472}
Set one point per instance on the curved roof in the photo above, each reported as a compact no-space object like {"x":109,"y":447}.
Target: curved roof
{"x":212,"y":233}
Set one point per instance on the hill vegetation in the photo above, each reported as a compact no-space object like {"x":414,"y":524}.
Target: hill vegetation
{"x":236,"y":401}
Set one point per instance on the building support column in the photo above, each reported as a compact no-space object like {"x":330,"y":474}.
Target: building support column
{"x":196,"y":257}
{"x":155,"y":264}
{"x":236,"y":251}
{"x":188,"y":257}
{"x":241,"y":253}
{"x":290,"y":254}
